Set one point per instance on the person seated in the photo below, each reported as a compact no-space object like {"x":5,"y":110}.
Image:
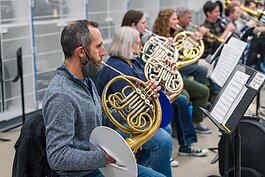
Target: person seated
{"x":197,"y":71}
{"x":72,"y":107}
{"x":214,"y":23}
{"x":156,"y":152}
{"x":136,"y":20}
{"x":165,"y":25}
{"x":232,"y":14}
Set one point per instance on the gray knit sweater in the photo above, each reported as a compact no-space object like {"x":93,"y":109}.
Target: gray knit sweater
{"x":70,"y":114}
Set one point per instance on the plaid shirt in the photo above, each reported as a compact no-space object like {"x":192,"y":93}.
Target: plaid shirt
{"x":211,"y":44}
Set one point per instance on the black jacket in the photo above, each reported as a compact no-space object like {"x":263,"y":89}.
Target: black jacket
{"x":30,"y":158}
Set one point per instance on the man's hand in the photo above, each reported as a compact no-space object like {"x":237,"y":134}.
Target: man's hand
{"x":230,"y":27}
{"x":251,"y":23}
{"x":109,"y":159}
{"x":203,"y":30}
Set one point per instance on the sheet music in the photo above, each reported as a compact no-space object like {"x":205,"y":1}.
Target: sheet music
{"x":237,"y":44}
{"x":230,"y":98}
{"x":257,"y":81}
{"x":228,"y":60}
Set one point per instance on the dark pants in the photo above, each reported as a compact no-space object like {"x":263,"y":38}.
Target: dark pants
{"x":182,"y":121}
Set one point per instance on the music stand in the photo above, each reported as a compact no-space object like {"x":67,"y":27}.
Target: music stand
{"x":255,"y":57}
{"x":247,"y":33}
{"x":210,"y":58}
{"x":232,"y":102}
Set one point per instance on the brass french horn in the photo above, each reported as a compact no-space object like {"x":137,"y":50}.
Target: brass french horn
{"x":140,"y":116}
{"x":189,"y":46}
{"x":158,"y":52}
{"x":138,"y":109}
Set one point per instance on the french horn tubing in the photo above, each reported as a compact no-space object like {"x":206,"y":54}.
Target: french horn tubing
{"x":158,"y":53}
{"x":141,"y":113}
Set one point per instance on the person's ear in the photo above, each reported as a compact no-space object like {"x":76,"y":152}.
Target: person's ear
{"x":208,"y":14}
{"x":80,"y":51}
{"x":133,"y":25}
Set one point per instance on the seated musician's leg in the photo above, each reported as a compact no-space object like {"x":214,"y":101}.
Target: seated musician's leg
{"x":147,"y":172}
{"x":160,"y":149}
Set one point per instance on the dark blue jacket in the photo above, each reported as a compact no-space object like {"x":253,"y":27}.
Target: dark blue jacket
{"x":106,"y":74}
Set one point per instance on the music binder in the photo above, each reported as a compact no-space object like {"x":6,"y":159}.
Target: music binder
{"x":251,"y":82}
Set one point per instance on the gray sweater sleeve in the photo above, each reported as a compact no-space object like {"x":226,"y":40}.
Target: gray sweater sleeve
{"x":59,"y":118}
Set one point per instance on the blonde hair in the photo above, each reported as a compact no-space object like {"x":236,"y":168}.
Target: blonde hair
{"x":121,"y":44}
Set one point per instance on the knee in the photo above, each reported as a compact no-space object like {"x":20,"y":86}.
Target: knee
{"x":164,"y":140}
{"x":205,"y":91}
{"x":204,"y":70}
{"x":182,"y":100}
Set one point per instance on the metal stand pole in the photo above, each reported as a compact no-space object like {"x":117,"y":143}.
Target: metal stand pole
{"x":237,"y":155}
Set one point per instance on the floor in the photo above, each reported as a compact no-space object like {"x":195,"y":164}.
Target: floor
{"x":189,"y":166}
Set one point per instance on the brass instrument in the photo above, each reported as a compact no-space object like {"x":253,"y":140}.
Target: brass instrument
{"x":140,"y":117}
{"x":136,"y":106}
{"x":158,"y":53}
{"x":189,"y":46}
{"x":209,"y":34}
{"x":258,"y":13}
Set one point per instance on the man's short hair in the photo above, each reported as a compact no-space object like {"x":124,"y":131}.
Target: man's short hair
{"x":230,"y":8}
{"x":181,"y":11}
{"x":248,"y":2}
{"x":209,"y":6}
{"x":76,"y":34}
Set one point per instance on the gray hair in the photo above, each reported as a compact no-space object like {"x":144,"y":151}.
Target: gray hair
{"x":181,"y":11}
{"x":76,"y":34}
{"x":122,"y":42}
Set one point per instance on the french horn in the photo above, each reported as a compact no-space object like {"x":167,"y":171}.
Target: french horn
{"x":189,"y":46}
{"x":158,"y":54}
{"x":139,"y":117}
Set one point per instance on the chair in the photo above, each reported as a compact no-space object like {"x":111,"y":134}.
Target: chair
{"x":30,"y":158}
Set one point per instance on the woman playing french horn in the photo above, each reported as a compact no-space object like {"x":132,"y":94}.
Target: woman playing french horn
{"x":156,"y":152}
{"x":72,"y":107}
{"x":185,"y":125}
{"x":198,"y":93}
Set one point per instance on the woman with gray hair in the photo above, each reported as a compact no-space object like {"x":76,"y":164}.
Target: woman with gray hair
{"x":125,"y":44}
{"x":156,"y":152}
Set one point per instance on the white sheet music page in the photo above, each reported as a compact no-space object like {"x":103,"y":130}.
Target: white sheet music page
{"x":230,"y":97}
{"x":228,"y":60}
{"x":257,"y":81}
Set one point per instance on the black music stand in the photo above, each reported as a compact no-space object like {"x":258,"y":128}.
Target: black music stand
{"x":255,"y":57}
{"x":246,"y":34}
{"x":239,"y":105}
{"x":19,"y":76}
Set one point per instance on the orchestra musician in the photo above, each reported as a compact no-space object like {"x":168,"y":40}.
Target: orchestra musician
{"x":72,"y":107}
{"x":214,"y":24}
{"x":184,"y":127}
{"x":197,"y":71}
{"x":165,"y":25}
{"x":156,"y":152}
